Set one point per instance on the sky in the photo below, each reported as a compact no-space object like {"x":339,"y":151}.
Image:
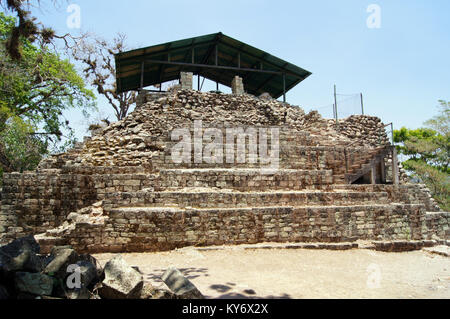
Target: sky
{"x":397,"y":55}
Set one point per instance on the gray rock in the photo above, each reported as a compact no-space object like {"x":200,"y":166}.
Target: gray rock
{"x":17,"y":244}
{"x":95,"y":263}
{"x":151,"y":292}
{"x":55,"y":249}
{"x":36,"y":284}
{"x":180,"y":285}
{"x":162,"y":294}
{"x":121,"y":281}
{"x":147,"y":291}
{"x":62,"y":258}
{"x":21,"y":254}
{"x":79,"y":294}
{"x":88,"y":272}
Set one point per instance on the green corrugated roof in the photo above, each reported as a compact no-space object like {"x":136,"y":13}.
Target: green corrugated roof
{"x":129,"y":65}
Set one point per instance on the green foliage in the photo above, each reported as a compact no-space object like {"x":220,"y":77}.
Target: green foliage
{"x":20,"y":149}
{"x":441,"y":122}
{"x":428,"y":153}
{"x":437,"y":181}
{"x":35,"y":90}
{"x":41,"y":85}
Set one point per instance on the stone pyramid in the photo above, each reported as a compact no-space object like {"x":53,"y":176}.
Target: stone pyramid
{"x":122,"y":191}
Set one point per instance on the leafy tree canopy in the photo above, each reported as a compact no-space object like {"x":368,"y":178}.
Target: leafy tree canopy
{"x":428,"y":153}
{"x":41,"y":85}
{"x":34,"y":92}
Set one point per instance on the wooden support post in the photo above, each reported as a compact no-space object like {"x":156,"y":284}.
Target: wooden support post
{"x":142,"y":74}
{"x":336,"y":106}
{"x":373,"y":175}
{"x":217,"y":63}
{"x":284,"y":87}
{"x":362,"y":104}
{"x":395,"y":172}
{"x":383,"y":171}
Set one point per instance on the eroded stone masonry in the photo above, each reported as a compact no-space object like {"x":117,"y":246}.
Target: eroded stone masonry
{"x":121,"y":191}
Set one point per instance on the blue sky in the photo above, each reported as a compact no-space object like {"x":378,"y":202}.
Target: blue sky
{"x":402,"y":68}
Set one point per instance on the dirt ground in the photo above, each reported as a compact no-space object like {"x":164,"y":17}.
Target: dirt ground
{"x":235,"y":272}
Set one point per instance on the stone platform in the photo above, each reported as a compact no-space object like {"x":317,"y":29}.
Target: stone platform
{"x":120,"y":191}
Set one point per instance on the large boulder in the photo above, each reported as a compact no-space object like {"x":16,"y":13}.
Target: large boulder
{"x":36,"y":284}
{"x":78,"y":294}
{"x":88,"y":272}
{"x":121,"y":280}
{"x":61,"y":258}
{"x":151,"y":292}
{"x":21,"y":255}
{"x":180,"y":285}
{"x":88,"y":278}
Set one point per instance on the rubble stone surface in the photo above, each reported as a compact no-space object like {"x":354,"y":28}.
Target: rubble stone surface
{"x":121,"y":191}
{"x":121,"y":281}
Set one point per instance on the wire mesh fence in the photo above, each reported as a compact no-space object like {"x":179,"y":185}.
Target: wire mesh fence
{"x":346,"y":105}
{"x":349,"y":104}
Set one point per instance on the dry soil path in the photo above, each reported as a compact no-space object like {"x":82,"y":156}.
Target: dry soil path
{"x":234,"y":272}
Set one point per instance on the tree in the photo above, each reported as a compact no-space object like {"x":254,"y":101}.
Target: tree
{"x":34,"y":92}
{"x":29,"y":28}
{"x":97,"y":55}
{"x":428,"y":153}
{"x":41,"y":85}
{"x":20,"y":148}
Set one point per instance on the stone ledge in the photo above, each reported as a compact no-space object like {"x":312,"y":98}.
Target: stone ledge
{"x":402,"y":246}
{"x":439,"y":250}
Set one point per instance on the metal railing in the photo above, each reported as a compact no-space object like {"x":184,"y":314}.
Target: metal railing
{"x":391,"y":132}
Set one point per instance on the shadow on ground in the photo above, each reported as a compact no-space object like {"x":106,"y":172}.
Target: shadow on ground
{"x":226,"y":291}
{"x":189,"y":273}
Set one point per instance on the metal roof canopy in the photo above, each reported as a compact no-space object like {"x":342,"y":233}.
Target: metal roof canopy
{"x":216,"y":57}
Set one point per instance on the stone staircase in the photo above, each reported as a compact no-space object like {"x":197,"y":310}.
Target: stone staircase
{"x":364,"y":165}
{"x":308,"y":199}
{"x":206,"y":206}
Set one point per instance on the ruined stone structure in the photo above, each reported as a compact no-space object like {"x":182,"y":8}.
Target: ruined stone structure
{"x":122,"y":191}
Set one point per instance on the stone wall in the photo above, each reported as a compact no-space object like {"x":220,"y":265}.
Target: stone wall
{"x":437,"y":224}
{"x":140,"y":137}
{"x":122,"y":191}
{"x":156,"y":229}
{"x":186,"y":80}
{"x":34,"y":202}
{"x":237,"y":86}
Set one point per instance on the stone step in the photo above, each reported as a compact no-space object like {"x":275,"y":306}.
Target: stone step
{"x":246,"y":179}
{"x":301,"y":163}
{"x":338,"y":179}
{"x":374,"y":157}
{"x":407,"y":194}
{"x":163,"y":228}
{"x":358,"y":209}
{"x":227,"y":199}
